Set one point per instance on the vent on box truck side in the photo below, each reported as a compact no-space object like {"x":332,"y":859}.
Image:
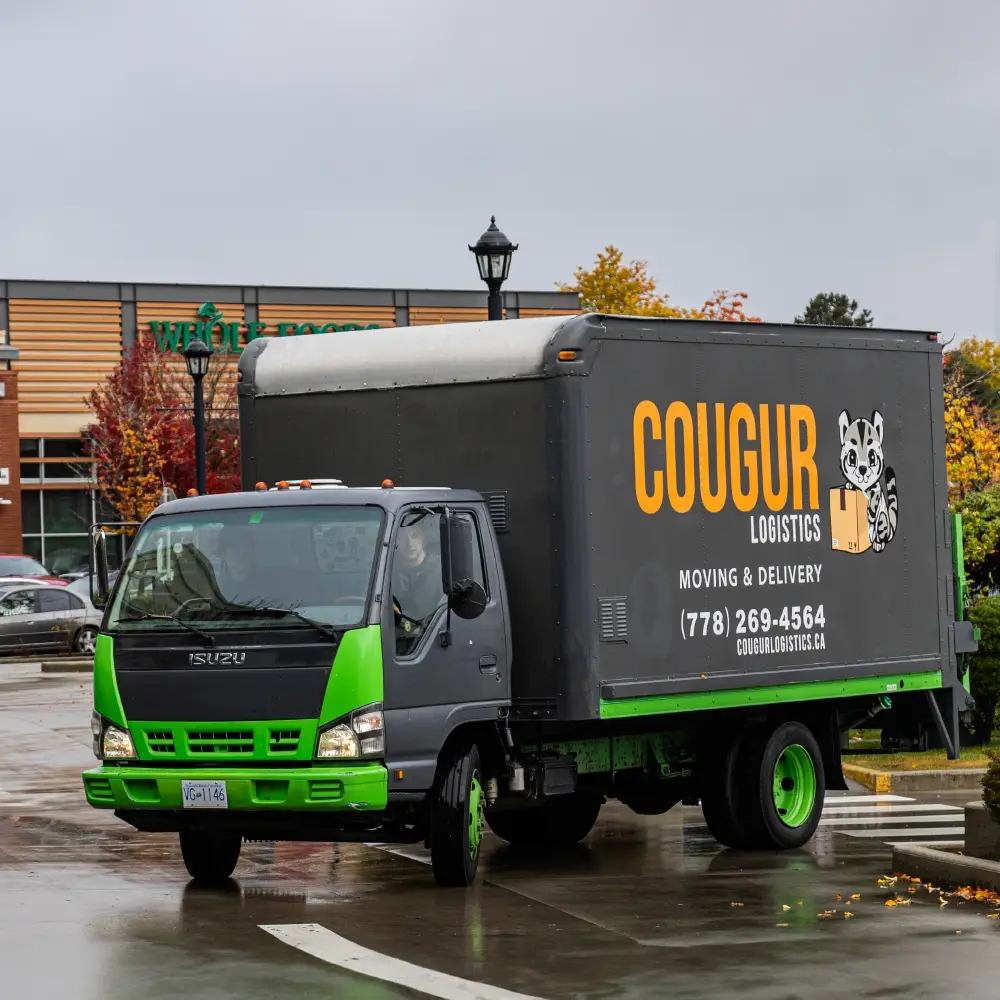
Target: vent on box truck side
{"x":613,"y":615}
{"x":499,"y":510}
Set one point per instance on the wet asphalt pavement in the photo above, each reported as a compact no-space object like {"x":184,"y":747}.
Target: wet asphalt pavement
{"x":647,"y":907}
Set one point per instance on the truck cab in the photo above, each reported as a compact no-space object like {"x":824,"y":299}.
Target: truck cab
{"x":289,"y":662}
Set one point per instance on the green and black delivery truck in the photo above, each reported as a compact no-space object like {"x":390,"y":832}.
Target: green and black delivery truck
{"x":496,"y":574}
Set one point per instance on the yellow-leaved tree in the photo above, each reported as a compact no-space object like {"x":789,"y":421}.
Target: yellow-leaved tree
{"x":972,"y":444}
{"x":617,"y":288}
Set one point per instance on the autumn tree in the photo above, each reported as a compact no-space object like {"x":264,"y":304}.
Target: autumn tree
{"x":617,"y":288}
{"x":142,"y":436}
{"x":834,"y":309}
{"x":972,"y":447}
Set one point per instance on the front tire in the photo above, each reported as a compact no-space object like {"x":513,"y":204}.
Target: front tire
{"x":780,"y":786}
{"x":457,"y":819}
{"x":558,"y":822}
{"x":210,"y":858}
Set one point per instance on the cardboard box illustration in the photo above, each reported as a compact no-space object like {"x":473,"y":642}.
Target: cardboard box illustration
{"x":849,"y":520}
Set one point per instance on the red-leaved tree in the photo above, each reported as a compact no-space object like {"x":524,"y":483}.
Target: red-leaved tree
{"x":142,"y":435}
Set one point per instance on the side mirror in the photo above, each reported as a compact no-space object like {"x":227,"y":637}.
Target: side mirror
{"x":466,"y":597}
{"x":100,"y":586}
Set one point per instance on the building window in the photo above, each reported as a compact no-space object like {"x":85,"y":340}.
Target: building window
{"x":55,"y":460}
{"x":56,"y":521}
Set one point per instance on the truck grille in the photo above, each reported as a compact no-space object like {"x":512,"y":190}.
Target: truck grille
{"x":160,"y":741}
{"x":283,"y":740}
{"x":220,"y":741}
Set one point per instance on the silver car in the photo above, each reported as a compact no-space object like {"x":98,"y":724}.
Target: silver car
{"x":46,"y":618}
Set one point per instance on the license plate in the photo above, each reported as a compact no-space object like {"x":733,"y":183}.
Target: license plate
{"x":204,"y":795}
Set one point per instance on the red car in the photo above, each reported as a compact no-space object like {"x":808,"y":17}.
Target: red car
{"x":25,"y":567}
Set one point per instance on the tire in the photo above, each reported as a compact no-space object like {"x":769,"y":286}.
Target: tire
{"x":719,"y":802}
{"x":210,"y":858}
{"x":779,"y":786}
{"x":86,"y":640}
{"x":558,"y":822}
{"x":457,"y":819}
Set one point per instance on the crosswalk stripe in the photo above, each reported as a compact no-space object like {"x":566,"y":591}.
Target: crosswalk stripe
{"x":886,"y":797}
{"x":926,"y":843}
{"x":907,"y":832}
{"x":890,"y":809}
{"x":890,"y":818}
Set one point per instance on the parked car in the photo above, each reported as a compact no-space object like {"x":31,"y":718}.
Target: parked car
{"x":25,"y":566}
{"x":81,"y":587}
{"x":46,"y":617}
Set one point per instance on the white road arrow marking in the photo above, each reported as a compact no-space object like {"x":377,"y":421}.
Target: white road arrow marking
{"x":321,"y":943}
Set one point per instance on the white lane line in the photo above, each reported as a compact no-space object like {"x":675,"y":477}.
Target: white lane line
{"x":832,"y":797}
{"x":890,"y":809}
{"x":321,"y":943}
{"x":926,"y":843}
{"x":876,"y":820}
{"x":950,"y":831}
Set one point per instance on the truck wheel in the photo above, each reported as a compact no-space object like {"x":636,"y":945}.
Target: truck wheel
{"x":719,"y":801}
{"x":457,"y":819}
{"x":558,"y":822}
{"x":780,"y":786}
{"x":209,"y":858}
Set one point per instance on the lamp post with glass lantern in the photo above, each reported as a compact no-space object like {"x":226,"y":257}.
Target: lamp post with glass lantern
{"x":196,"y":356}
{"x":493,"y":253}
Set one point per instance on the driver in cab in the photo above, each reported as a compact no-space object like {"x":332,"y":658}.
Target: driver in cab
{"x":417,"y":591}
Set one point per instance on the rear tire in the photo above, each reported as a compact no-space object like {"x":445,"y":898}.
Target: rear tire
{"x":780,"y":786}
{"x":719,"y":801}
{"x":210,"y":858}
{"x":457,"y":819}
{"x":558,"y":822}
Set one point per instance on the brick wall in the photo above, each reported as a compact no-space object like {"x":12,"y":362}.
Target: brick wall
{"x":10,"y":451}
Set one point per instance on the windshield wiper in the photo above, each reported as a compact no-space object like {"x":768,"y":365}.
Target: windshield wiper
{"x":322,"y":627}
{"x":144,"y":616}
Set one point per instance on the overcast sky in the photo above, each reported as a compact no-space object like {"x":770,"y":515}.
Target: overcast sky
{"x":781,"y":148}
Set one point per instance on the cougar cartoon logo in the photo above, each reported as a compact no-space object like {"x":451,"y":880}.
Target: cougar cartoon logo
{"x":862,"y":463}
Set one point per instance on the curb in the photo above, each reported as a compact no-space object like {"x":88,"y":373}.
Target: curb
{"x":67,"y":666}
{"x":960,"y":779}
{"x":945,"y":869}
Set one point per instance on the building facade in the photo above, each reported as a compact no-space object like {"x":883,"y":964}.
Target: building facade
{"x":60,"y":340}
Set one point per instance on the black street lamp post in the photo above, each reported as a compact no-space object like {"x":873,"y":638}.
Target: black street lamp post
{"x":197,"y":355}
{"x":493,"y":253}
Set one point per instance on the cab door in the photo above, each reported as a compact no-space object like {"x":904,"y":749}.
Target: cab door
{"x":430,"y":686}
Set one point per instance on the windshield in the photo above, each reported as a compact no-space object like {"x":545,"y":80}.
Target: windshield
{"x":246,"y":568}
{"x":21,"y":566}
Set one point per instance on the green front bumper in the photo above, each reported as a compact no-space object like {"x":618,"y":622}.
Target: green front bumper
{"x":319,"y":789}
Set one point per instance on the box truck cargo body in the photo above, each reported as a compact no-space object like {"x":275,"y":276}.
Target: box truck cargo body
{"x":675,"y":560}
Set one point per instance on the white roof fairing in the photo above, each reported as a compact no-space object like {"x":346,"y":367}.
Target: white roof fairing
{"x":399,"y":356}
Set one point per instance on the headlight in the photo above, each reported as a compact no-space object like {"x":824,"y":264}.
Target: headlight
{"x":96,"y":726}
{"x":117,"y":743}
{"x":362,"y":734}
{"x":341,"y":741}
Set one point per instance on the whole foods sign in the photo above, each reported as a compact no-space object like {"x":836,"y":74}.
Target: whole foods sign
{"x":222,"y":335}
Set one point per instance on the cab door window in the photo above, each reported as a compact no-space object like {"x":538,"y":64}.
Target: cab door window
{"x":417,"y":590}
{"x":417,"y":578}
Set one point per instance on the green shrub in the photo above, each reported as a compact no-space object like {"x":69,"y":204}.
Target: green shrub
{"x":991,"y":785}
{"x":984,"y":666}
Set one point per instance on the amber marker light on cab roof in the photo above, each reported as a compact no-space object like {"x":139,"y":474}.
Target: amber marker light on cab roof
{"x":387,"y":484}
{"x":260,"y":487}
{"x":192,"y":493}
{"x":567,"y":355}
{"x":282,"y":484}
{"x":305,"y":485}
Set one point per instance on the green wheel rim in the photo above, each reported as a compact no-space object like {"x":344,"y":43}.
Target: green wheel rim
{"x":794,"y":785}
{"x":476,"y":818}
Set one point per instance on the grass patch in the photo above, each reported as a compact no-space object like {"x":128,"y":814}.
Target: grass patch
{"x":929,"y":760}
